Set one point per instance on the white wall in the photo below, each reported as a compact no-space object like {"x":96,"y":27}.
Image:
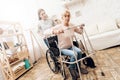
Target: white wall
{"x":98,"y":11}
{"x":22,"y":11}
{"x":102,"y":10}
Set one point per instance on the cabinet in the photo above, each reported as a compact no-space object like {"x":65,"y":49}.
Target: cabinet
{"x":14,"y":54}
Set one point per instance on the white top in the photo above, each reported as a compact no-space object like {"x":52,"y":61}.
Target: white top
{"x":44,"y":25}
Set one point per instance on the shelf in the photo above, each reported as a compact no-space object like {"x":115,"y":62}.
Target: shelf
{"x":14,"y":50}
{"x":19,"y":69}
{"x":22,"y":72}
{"x":20,"y":57}
{"x":16,"y":62}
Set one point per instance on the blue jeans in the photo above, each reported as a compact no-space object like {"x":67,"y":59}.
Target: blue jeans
{"x":70,"y":52}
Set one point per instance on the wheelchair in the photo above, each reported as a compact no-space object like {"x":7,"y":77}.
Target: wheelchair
{"x":53,"y":58}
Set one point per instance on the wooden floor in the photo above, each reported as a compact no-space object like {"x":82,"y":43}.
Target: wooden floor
{"x":109,"y":63}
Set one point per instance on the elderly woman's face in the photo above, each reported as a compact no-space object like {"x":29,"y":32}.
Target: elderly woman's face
{"x":66,"y":17}
{"x":43,"y":15}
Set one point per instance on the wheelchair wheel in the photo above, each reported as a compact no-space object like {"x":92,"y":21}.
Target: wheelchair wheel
{"x":52,"y":61}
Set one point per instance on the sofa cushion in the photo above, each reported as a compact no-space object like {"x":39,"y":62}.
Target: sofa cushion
{"x":107,"y":25}
{"x":91,"y":29}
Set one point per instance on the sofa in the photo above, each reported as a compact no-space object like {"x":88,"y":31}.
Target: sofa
{"x":103,"y":34}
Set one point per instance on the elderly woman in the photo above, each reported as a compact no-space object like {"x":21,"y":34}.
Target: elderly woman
{"x":65,"y":32}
